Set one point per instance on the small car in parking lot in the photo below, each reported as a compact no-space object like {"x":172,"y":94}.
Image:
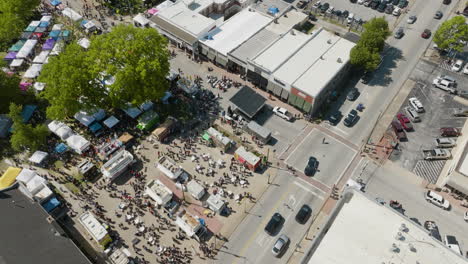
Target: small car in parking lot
{"x":330,"y":10}
{"x":411,"y":19}
{"x":283,"y":113}
{"x":367,"y":3}
{"x":437,"y":199}
{"x":452,"y":243}
{"x":449,"y":132}
{"x":303,"y":214}
{"x":399,"y":33}
{"x":366,"y":77}
{"x":375,"y":4}
{"x":335,"y":118}
{"x":280,"y":245}
{"x":438,"y":15}
{"x":426,"y":34}
{"x":272,"y":225}
{"x":345,"y":14}
{"x":301,"y":4}
{"x":460,"y":112}
{"x":351,"y":118}
{"x":447,"y":2}
{"x":457,"y":66}
{"x":317,"y":4}
{"x":352,"y":94}
{"x":444,"y":85}
{"x":311,"y":166}
{"x":360,"y":2}
{"x":416,"y":104}
{"x":405,"y":122}
{"x":433,"y":229}
{"x":398,"y":129}
{"x":445,"y":142}
{"x":381,"y":7}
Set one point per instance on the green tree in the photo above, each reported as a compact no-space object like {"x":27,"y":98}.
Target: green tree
{"x":451,"y":34}
{"x":136,"y":58}
{"x":364,"y":58}
{"x":14,"y":17}
{"x":377,"y":25}
{"x":10,"y":91}
{"x":26,"y":136}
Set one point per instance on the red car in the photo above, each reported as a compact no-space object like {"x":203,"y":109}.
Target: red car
{"x":426,"y":34}
{"x":449,"y":132}
{"x":405,"y":122}
{"x":398,"y":129}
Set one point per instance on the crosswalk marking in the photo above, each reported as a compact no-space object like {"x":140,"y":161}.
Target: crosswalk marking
{"x":429,"y":170}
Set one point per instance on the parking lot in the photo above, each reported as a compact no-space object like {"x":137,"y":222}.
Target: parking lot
{"x":359,"y":10}
{"x":439,"y":107}
{"x":322,"y":147}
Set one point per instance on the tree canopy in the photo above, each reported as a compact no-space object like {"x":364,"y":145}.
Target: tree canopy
{"x":366,"y":54}
{"x":127,"y":65}
{"x":451,"y":34}
{"x":10,"y":91}
{"x":13,"y":18}
{"x":26,"y":136}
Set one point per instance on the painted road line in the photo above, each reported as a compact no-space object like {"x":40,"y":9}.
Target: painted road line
{"x":261,"y":226}
{"x":302,"y":141}
{"x":309,"y":184}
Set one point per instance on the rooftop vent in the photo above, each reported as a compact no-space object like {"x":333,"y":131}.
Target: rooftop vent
{"x":322,"y":58}
{"x":293,"y":33}
{"x":329,"y":41}
{"x":339,"y":60}
{"x":399,"y":236}
{"x":411,"y":247}
{"x":275,"y":21}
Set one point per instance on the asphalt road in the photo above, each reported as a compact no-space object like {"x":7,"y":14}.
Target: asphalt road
{"x":389,"y":183}
{"x":399,"y":60}
{"x":250,"y":244}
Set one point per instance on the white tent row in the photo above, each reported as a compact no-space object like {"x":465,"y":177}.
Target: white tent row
{"x":87,"y":119}
{"x":84,"y":43}
{"x":41,"y":58}
{"x":58,"y":48}
{"x":33,"y":185}
{"x":60,"y":129}
{"x":27,"y":49}
{"x":72,"y":14}
{"x":33,"y":71}
{"x":16,"y":63}
{"x":46,"y":18}
{"x":38,"y":157}
{"x":78,"y":143}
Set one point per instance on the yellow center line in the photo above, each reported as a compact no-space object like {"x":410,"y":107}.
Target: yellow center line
{"x":261,"y":225}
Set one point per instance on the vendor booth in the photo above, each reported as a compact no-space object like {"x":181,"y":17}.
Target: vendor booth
{"x":27,"y":50}
{"x":159,"y":192}
{"x":195,"y":189}
{"x":140,"y":21}
{"x":97,"y":230}
{"x":247,"y":158}
{"x":84,"y":43}
{"x":78,"y":143}
{"x":60,"y":129}
{"x":215,"y":203}
{"x":187,"y":86}
{"x":219,"y":139}
{"x":117,"y":165}
{"x":148,"y":120}
{"x":191,"y":225}
{"x":111,"y":122}
{"x":260,"y":132}
{"x":41,"y":58}
{"x":165,"y":129}
{"x":106,"y":149}
{"x":33,"y":186}
{"x":132,"y":112}
{"x":39,"y":157}
{"x":72,"y":14}
{"x":33,"y":71}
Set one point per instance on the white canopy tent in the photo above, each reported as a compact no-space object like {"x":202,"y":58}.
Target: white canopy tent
{"x":41,"y":58}
{"x":25,"y":175}
{"x":78,"y":143}
{"x":33,"y":71}
{"x":84,"y":43}
{"x":46,"y":18}
{"x":39,"y":86}
{"x":72,"y":14}
{"x":60,"y":129}
{"x":111,"y":122}
{"x":58,"y":48}
{"x":38,"y":157}
{"x":16,"y":63}
{"x":89,"y":26}
{"x":140,"y":20}
{"x":195,"y":189}
{"x":84,"y":118}
{"x":57,"y":27}
{"x":36,"y":184}
{"x":27,"y":49}
{"x":34,"y":23}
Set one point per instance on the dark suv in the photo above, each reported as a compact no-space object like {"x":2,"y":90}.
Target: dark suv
{"x":272,"y":226}
{"x":311,"y":167}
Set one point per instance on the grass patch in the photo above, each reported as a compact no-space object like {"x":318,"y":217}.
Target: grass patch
{"x":58,"y":164}
{"x":72,"y":188}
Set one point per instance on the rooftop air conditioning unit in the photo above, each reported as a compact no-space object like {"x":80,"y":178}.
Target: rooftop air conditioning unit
{"x":293,"y":33}
{"x":394,"y":248}
{"x":411,"y":247}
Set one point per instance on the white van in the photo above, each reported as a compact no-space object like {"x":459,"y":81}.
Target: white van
{"x":412,"y":114}
{"x":437,"y":200}
{"x":416,"y":104}
{"x":350,"y":18}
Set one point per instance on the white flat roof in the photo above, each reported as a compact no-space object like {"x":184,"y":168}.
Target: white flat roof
{"x":364,"y":231}
{"x":94,"y":227}
{"x":325,"y":68}
{"x":272,"y":57}
{"x":180,"y":15}
{"x":235,"y":31}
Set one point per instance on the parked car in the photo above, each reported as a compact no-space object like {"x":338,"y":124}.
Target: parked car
{"x":459,"y":112}
{"x":330,"y":10}
{"x":437,"y":200}
{"x":398,"y":129}
{"x":438,"y":15}
{"x":367,"y":3}
{"x":280,"y":245}
{"x":445,"y":142}
{"x":361,"y":2}
{"x":403,"y":4}
{"x":444,"y":85}
{"x":337,"y":13}
{"x":416,"y":104}
{"x":324,"y":7}
{"x":457,"y":66}
{"x":389,"y":9}
{"x":317,"y":4}
{"x":412,"y":114}
{"x":448,"y":78}
{"x":465,"y":69}
{"x":452,"y":243}
{"x":449,"y":132}
{"x":381,"y":7}
{"x":335,"y":118}
{"x":350,"y":18}
{"x":426,"y":34}
{"x":395,"y":2}
{"x":411,"y":19}
{"x":311,"y":166}
{"x":405,"y":122}
{"x":353,"y":1}
{"x":282,"y":112}
{"x":352,"y":94}
{"x":303,"y":214}
{"x":436,"y":154}
{"x":351,"y":118}
{"x":446,"y":2}
{"x":399,"y":33}
{"x":274,"y":223}
{"x":345,"y":14}
{"x":366,"y":77}
{"x":301,"y":4}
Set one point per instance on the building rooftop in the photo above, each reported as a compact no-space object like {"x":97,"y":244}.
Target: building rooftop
{"x":27,"y":236}
{"x":235,"y":30}
{"x":251,"y":47}
{"x":281,"y":50}
{"x":248,"y":101}
{"x":381,"y":235}
{"x":94,"y":227}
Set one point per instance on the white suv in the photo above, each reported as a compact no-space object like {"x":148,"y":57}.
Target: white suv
{"x":437,"y":199}
{"x":456,"y":67}
{"x":282,"y":112}
{"x":452,"y":243}
{"x":445,"y":85}
{"x":416,"y":104}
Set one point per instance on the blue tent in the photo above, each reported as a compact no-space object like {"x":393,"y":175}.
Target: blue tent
{"x":55,"y":2}
{"x":54,"y":34}
{"x":51,"y":204}
{"x":273,"y":10}
{"x":28,"y":111}
{"x":61,"y":148}
{"x":95,"y":127}
{"x":44,"y":24}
